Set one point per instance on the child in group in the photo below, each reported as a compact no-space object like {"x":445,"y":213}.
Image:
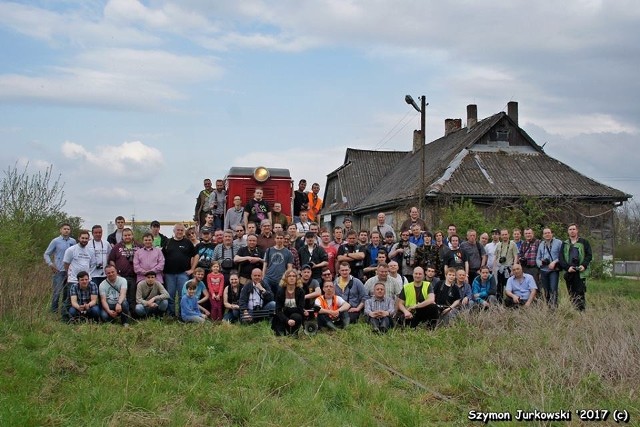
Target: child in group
{"x":190,"y":310}
{"x":202,"y":294}
{"x":215,"y":284}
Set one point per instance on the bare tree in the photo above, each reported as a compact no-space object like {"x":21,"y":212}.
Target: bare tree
{"x":30,"y":197}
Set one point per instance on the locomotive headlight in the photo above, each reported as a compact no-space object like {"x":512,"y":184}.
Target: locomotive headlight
{"x":261,"y":174}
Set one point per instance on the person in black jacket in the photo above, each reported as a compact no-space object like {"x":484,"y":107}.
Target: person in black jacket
{"x":289,"y":304}
{"x":256,"y":300}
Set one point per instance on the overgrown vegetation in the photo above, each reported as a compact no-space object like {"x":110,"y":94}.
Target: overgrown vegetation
{"x":166,"y":373}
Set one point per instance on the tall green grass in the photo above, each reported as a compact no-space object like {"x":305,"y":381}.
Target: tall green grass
{"x":168,"y":373}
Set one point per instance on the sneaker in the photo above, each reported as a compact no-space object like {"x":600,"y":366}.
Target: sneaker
{"x":330,"y":326}
{"x":125,"y":325}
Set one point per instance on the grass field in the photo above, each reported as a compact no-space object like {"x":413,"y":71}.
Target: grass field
{"x":168,"y":373}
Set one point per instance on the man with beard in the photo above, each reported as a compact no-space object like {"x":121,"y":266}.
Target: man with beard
{"x":180,"y":259}
{"x":248,"y":258}
{"x":76,"y":258}
{"x":257,"y":209}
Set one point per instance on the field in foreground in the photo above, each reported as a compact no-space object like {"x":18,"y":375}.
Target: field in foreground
{"x":162,"y":373}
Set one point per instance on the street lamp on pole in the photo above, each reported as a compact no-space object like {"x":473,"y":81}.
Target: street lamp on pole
{"x":422,"y":110}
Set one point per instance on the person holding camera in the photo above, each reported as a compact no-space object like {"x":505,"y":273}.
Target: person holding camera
{"x":84,"y":298}
{"x":225,"y":254}
{"x":256,"y":300}
{"x":521,"y":289}
{"x":100,"y":250}
{"x":527,"y":254}
{"x":548,"y":259}
{"x":404,"y":253}
{"x":506,"y":254}
{"x":575,"y":259}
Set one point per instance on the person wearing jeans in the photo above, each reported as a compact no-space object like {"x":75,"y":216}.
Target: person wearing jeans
{"x":547,"y":259}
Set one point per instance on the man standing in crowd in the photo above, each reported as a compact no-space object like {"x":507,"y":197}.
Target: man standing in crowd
{"x":548,"y":259}
{"x":575,"y":259}
{"x":300,"y":200}
{"x":116,"y":237}
{"x":234,"y":215}
{"x":277,"y":260}
{"x":77,"y":258}
{"x":100,"y":250}
{"x":315,"y":203}
{"x":204,"y":249}
{"x":147,"y":259}
{"x":330,"y":249}
{"x":218,"y":202}
{"x":404,"y":253}
{"x":352,"y":290}
{"x":277,"y":217}
{"x":248,"y":258}
{"x":517,"y":237}
{"x":490,"y":248}
{"x":256,"y":209}
{"x":351,"y":253}
{"x":266,"y":238}
{"x":527,"y":254}
{"x":303,"y":223}
{"x":506,"y":254}
{"x":201,"y":202}
{"x":414,"y":218}
{"x":476,"y":254}
{"x":382,"y":227}
{"x":121,"y":257}
{"x":57,"y":248}
{"x":159,"y":239}
{"x":180,"y":259}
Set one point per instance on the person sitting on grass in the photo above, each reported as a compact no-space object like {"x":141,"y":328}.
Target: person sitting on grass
{"x":231,"y":297}
{"x":521,"y":288}
{"x":333,"y":311}
{"x":256,"y":300}
{"x":152,"y":299}
{"x":484,"y":289}
{"x":113,"y":297}
{"x":379,"y":309}
{"x":447,"y":297}
{"x":289,"y":304}
{"x":464,"y":288}
{"x":190,"y":310}
{"x":202,"y":294}
{"x":416,"y":301}
{"x":215,"y":285}
{"x":84,"y":298}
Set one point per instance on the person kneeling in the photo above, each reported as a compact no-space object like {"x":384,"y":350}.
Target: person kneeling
{"x":379,"y":309}
{"x":190,"y":310}
{"x":256,"y":301}
{"x":333,"y":311}
{"x":152,"y":299}
{"x":521,"y":288}
{"x":84,"y":299}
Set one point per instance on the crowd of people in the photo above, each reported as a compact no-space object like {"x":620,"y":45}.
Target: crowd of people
{"x":251,"y":263}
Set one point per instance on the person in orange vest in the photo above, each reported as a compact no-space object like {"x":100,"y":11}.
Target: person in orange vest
{"x":315,"y":203}
{"x":332,"y":309}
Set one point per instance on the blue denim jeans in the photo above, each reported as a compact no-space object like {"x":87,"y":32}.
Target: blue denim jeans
{"x":174,"y":283}
{"x":57,"y":282}
{"x":549,"y":282}
{"x":232,"y":316}
{"x":124,"y":314}
{"x":143,"y":311}
{"x":193,"y":319}
{"x":93,"y":313}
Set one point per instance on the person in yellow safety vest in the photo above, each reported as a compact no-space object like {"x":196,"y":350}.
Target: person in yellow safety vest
{"x":332,"y":309}
{"x":416,"y":301}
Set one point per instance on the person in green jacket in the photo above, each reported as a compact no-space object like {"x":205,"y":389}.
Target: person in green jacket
{"x":575,"y":259}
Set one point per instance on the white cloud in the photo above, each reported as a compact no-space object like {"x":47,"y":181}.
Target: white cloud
{"x":128,"y":160}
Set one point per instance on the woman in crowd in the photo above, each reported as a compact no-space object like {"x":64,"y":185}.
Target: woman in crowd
{"x":289,"y":304}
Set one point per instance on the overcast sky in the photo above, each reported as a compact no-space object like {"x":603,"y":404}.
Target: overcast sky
{"x":135,"y":102}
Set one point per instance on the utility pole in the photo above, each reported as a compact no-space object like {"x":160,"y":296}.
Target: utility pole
{"x":423,"y":138}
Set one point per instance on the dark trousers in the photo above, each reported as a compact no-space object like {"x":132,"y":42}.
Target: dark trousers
{"x":577,"y":288}
{"x":429,"y":314}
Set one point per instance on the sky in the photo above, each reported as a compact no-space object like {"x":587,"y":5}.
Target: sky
{"x":133,"y":102}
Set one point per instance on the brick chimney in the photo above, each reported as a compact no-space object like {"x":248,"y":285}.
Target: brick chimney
{"x":417,"y":140}
{"x":512,"y":111}
{"x":452,"y":125}
{"x":472,"y":115}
